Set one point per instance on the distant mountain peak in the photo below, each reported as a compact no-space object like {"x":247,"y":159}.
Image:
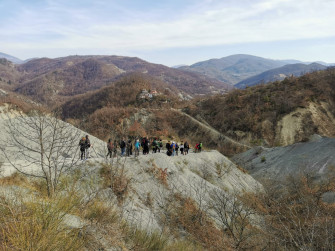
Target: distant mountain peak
{"x":11,"y":58}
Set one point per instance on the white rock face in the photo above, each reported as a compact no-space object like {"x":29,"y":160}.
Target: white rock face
{"x":29,"y":161}
{"x":154,"y":178}
{"x":194,"y":176}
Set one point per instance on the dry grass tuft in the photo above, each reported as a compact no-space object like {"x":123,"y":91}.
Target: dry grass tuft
{"x":35,"y":226}
{"x":115,"y":177}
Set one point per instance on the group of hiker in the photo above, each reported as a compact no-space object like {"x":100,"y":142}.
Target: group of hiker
{"x":128,"y":147}
{"x":173,"y":147}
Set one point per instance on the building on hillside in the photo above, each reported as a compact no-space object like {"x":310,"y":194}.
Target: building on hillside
{"x":154,"y":92}
{"x":148,"y":94}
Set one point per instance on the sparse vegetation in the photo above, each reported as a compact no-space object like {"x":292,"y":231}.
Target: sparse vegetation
{"x":115,"y":177}
{"x":39,"y":225}
{"x":254,"y":112}
{"x":160,"y":174}
{"x":288,"y":216}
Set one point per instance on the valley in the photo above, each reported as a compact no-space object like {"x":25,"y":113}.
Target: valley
{"x":266,"y":166}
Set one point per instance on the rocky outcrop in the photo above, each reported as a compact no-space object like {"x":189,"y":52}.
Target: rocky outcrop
{"x":315,"y":157}
{"x":300,"y":124}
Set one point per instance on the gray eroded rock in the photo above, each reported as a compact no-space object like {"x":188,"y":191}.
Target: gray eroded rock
{"x":316,"y":156}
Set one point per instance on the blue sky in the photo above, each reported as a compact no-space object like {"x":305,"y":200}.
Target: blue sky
{"x":169,"y":32}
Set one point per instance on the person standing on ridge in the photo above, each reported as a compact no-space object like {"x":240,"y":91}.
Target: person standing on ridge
{"x":87,"y":147}
{"x":160,"y":145}
{"x":123,"y":147}
{"x":137,"y":148}
{"x":82,"y":145}
{"x":154,"y":146}
{"x":177,"y":148}
{"x":146,"y":145}
{"x":115,"y":149}
{"x":129,"y":148}
{"x":186,"y":147}
{"x":110,"y":148}
{"x":168,"y":146}
{"x":182,"y":148}
{"x":173,"y":148}
{"x":196,"y":148}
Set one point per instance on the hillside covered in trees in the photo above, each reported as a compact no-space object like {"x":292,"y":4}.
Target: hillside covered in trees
{"x":259,"y":114}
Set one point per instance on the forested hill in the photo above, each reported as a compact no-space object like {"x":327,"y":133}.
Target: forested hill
{"x":278,"y":113}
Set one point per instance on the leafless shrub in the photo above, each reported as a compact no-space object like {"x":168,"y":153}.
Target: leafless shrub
{"x":115,"y":177}
{"x":41,"y":141}
{"x":298,"y":218}
{"x":234,"y":217}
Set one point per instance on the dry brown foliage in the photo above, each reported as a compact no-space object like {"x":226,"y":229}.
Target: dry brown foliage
{"x":115,"y":177}
{"x":296,"y":216}
{"x":160,"y":174}
{"x":245,"y":110}
{"x":185,"y":216}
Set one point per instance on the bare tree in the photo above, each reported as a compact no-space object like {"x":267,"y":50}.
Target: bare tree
{"x":299,"y":218}
{"x":234,"y":217}
{"x":40,"y":145}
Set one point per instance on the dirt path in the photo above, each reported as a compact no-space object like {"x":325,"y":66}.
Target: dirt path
{"x":213,"y":131}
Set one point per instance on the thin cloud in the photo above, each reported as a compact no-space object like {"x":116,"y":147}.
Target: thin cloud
{"x":113,"y":26}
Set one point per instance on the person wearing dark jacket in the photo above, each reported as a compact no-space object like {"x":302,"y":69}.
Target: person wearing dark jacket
{"x":168,"y":146}
{"x":87,"y":147}
{"x":123,"y":147}
{"x":110,"y":149}
{"x":146,"y":146}
{"x":115,"y":149}
{"x":186,"y":147}
{"x":129,"y":150}
{"x":82,"y":146}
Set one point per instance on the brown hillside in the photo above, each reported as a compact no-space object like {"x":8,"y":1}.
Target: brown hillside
{"x":122,"y":94}
{"x":55,"y":79}
{"x":260,"y":113}
{"x":118,"y":110}
{"x":8,"y":74}
{"x":66,"y":79}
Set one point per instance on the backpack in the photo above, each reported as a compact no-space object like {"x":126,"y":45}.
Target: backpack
{"x":87,"y":143}
{"x":110,"y":146}
{"x":129,"y":145}
{"x":123,"y":144}
{"x":82,"y":144}
{"x":186,"y":145}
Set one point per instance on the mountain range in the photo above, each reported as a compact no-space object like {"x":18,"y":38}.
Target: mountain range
{"x":60,"y":78}
{"x":234,"y":68}
{"x":280,"y":73}
{"x":216,"y":75}
{"x":106,"y":90}
{"x":243,"y":70}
